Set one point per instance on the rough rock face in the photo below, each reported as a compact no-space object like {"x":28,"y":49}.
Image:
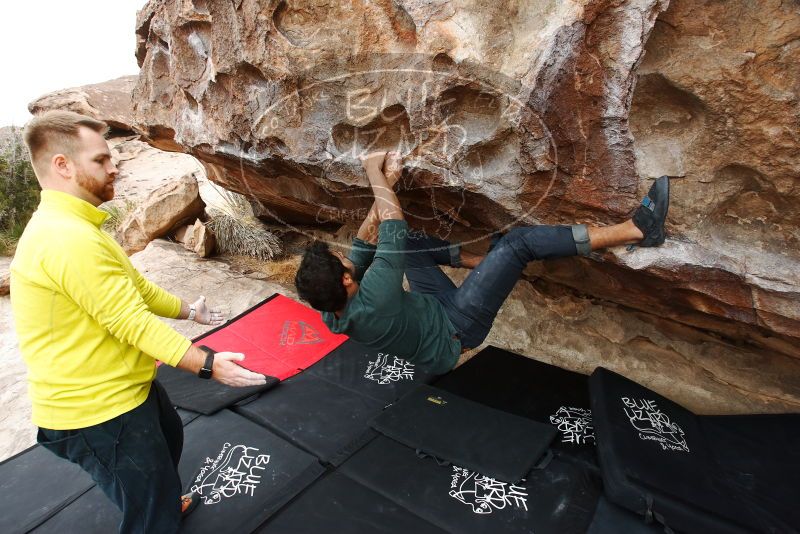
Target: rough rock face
{"x":197,"y":237}
{"x":704,"y":373}
{"x":513,"y":112}
{"x":142,"y":168}
{"x":508,"y":110}
{"x":107,"y":101}
{"x":164,"y":210}
{"x":5,"y":282}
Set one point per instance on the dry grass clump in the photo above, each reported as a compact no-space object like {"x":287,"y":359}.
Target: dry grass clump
{"x":239,"y":232}
{"x":117,"y":212}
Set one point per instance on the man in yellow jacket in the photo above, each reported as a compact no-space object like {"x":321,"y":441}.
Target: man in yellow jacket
{"x":89,"y":333}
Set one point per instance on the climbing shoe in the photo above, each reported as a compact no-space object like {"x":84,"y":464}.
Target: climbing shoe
{"x":189,"y":502}
{"x":651,"y":215}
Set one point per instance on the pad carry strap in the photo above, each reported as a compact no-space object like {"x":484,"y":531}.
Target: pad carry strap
{"x":651,"y":514}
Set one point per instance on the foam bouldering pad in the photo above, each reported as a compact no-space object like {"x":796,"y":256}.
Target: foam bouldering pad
{"x":340,"y":505}
{"x":371,"y":373}
{"x":612,"y":519}
{"x":36,"y":484}
{"x":187,"y":416}
{"x":279,"y":337}
{"x":190,"y":392}
{"x":243,"y":472}
{"x":560,"y":498}
{"x":316,"y":415}
{"x":528,"y":388}
{"x":457,"y":430}
{"x":92,"y":513}
{"x":692,"y":473}
{"x":759,"y":457}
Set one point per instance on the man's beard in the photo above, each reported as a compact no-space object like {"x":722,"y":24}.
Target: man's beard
{"x":104,"y":191}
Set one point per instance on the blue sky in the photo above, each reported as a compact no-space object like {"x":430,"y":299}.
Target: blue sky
{"x":55,"y":44}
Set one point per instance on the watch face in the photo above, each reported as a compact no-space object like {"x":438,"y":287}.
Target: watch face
{"x":204,"y":373}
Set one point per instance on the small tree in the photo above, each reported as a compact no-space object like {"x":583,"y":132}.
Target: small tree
{"x":19,"y":190}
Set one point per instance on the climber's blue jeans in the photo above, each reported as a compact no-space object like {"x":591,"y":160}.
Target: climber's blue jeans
{"x":133,"y":458}
{"x":473,"y":306}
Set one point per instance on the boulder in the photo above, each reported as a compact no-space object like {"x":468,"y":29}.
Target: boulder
{"x":164,"y":210}
{"x":197,"y":237}
{"x":513,"y":113}
{"x":108,"y":101}
{"x":143,"y":169}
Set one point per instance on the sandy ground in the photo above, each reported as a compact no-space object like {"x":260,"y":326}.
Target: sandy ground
{"x":16,"y":430}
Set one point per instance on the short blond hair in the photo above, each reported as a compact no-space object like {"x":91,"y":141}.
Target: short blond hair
{"x":57,"y":132}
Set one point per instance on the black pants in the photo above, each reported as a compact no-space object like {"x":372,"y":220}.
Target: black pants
{"x":133,"y":458}
{"x":473,"y":307}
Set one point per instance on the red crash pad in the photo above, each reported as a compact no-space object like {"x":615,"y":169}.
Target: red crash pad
{"x":279,"y":337}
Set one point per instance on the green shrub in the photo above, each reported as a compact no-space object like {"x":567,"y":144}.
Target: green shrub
{"x":19,"y":190}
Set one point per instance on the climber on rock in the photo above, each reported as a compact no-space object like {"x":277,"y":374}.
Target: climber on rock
{"x":431,"y":325}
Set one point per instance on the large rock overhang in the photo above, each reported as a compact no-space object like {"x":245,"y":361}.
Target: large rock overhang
{"x":508,"y":114}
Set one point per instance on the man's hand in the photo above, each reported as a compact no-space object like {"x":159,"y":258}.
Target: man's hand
{"x":373,"y":160}
{"x":230,"y":373}
{"x":206,"y":315}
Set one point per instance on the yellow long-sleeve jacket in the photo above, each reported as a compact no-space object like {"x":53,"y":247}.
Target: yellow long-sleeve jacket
{"x":86,"y":318}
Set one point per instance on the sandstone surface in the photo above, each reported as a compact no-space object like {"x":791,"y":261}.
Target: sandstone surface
{"x":197,"y":237}
{"x":163,"y":211}
{"x":513,"y":112}
{"x":108,"y":101}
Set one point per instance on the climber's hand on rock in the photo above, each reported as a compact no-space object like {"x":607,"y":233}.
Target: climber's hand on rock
{"x":373,"y":160}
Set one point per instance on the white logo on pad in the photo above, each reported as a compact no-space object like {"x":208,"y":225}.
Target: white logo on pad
{"x":485,"y":494}
{"x":385,"y":371}
{"x":575,"y":425}
{"x":654,"y":425}
{"x":236,"y":470}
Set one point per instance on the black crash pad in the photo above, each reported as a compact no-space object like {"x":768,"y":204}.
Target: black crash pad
{"x":695,"y":474}
{"x":244,"y":473}
{"x":560,"y":498}
{"x":457,"y":430}
{"x":34,"y":485}
{"x":612,"y":519}
{"x":190,"y":392}
{"x":92,"y":513}
{"x":340,"y":505}
{"x":316,"y":415}
{"x":379,"y":375}
{"x":532,"y":389}
{"x":187,"y":416}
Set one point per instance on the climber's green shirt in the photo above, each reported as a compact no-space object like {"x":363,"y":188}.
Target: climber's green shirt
{"x":383,"y":316}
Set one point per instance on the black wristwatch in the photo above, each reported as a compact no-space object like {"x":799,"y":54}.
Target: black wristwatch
{"x":205,"y":371}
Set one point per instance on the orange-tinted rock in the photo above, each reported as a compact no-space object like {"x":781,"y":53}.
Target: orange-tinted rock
{"x":107,"y":101}
{"x":513,"y":113}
